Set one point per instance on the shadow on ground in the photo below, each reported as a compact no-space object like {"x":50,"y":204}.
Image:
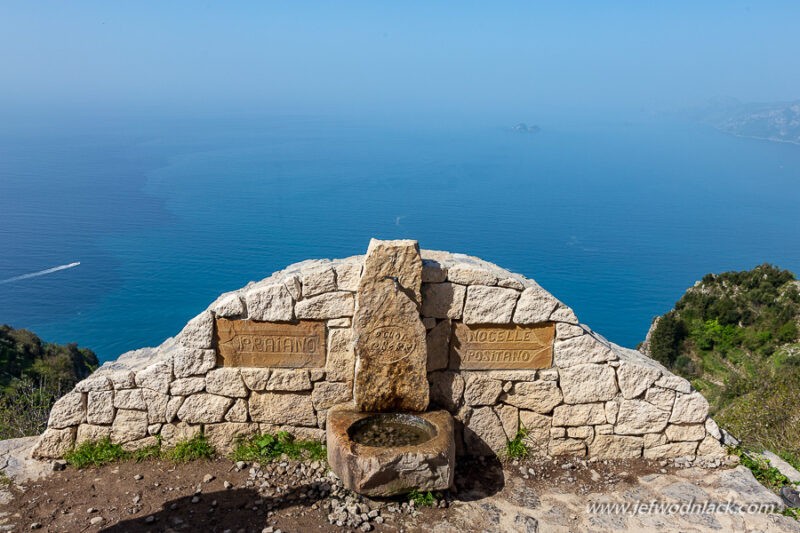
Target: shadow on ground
{"x":215,"y":511}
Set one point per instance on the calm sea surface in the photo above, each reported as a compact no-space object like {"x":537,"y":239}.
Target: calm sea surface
{"x":616,"y":219}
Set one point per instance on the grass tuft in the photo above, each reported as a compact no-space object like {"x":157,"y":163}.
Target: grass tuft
{"x":95,"y":453}
{"x":516,"y":447}
{"x":265,"y":446}
{"x":193,"y":449}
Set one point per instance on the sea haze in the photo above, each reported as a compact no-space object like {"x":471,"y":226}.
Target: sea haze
{"x":615,"y":218}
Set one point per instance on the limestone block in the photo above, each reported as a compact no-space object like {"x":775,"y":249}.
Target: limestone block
{"x":69,"y":410}
{"x":483,"y":433}
{"x":535,"y":305}
{"x":604,"y":429}
{"x":54,"y":443}
{"x":272,"y":303}
{"x":173,"y":405}
{"x":489,"y":305}
{"x":256,"y":379}
{"x":318,"y":280}
{"x":558,"y":433}
{"x":391,"y":373}
{"x":680,"y":432}
{"x":129,"y":426}
{"x":123,"y":379}
{"x":470,"y":275}
{"x":676,"y":383}
{"x":327,"y":394}
{"x":94,"y":383}
{"x":100,"y":407}
{"x":326,"y":306}
{"x":316,"y":374}
{"x":443,"y":300}
{"x":508,"y":375}
{"x":671,"y":450}
{"x":437,"y":341}
{"x":147,"y":442}
{"x":433,"y":271}
{"x":581,"y":350}
{"x":571,"y":447}
{"x":661,"y":398}
{"x":585,"y":414}
{"x":637,"y":417}
{"x":187,"y":386}
{"x":587,"y":383}
{"x":198,"y":332}
{"x":348,"y":275}
{"x":548,"y":374}
{"x":711,"y":448}
{"x":289,"y":379}
{"x":226,"y":382}
{"x":193,"y":362}
{"x":481,"y":390}
{"x":229,"y":306}
{"x":237,"y":412}
{"x":156,"y":406}
{"x":282,"y":408}
{"x":539,"y":396}
{"x":223,"y":436}
{"x":689,"y":409}
{"x":581,"y":432}
{"x":533,"y":420}
{"x":173,"y":434}
{"x":612,"y":410}
{"x":204,"y":408}
{"x":713,"y":429}
{"x":154,"y":429}
{"x":294,"y":286}
{"x":339,"y":322}
{"x":651,"y":440}
{"x":446,"y":390}
{"x":563,"y":313}
{"x":341,"y":360}
{"x":511,"y":283}
{"x":156,"y":376}
{"x":616,"y":447}
{"x":509,"y":418}
{"x":566,"y":331}
{"x":634,"y":379}
{"x":92,"y":433}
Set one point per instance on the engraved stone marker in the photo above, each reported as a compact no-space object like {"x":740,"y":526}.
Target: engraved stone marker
{"x":391,"y":355}
{"x":267,"y":344}
{"x":511,"y":347}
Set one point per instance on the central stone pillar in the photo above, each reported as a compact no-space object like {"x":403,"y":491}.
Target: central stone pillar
{"x":391,"y":356}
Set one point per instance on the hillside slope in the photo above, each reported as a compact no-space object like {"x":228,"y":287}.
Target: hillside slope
{"x":735,"y":337}
{"x":33,"y":374}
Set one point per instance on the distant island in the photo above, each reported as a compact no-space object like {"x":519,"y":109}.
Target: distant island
{"x":779,"y":122}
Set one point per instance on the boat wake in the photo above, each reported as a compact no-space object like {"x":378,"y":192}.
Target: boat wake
{"x":40,"y":273}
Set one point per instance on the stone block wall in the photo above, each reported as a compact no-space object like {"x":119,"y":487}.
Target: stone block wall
{"x":596,"y":399}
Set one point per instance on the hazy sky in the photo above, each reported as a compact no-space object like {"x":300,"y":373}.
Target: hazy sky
{"x":398,"y":56}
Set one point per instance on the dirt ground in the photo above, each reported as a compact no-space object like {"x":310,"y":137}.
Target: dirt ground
{"x":158,"y":496}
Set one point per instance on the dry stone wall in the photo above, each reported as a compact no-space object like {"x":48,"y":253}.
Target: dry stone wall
{"x":502,"y":353}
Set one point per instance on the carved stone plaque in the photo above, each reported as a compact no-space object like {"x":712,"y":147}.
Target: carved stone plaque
{"x":511,"y":347}
{"x":268,"y":344}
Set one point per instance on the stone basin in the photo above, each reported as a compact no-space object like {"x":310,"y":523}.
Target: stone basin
{"x":374,"y":467}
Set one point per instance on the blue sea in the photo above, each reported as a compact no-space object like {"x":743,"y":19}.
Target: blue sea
{"x":615,"y":217}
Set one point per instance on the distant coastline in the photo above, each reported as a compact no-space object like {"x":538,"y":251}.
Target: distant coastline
{"x":777,"y":122}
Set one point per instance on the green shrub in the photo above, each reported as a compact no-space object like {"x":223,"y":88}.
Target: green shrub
{"x":767,"y":475}
{"x":193,"y":449}
{"x":422,"y":499}
{"x":516,"y":448}
{"x":265,"y":446}
{"x":97,"y":453}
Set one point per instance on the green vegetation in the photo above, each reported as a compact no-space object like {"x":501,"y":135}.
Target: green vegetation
{"x":422,"y":499}
{"x":767,"y":475}
{"x":193,"y":449}
{"x":96,"y":453}
{"x":266,"y":447}
{"x":735,"y":337}
{"x":516,"y":448}
{"x":33,"y":376}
